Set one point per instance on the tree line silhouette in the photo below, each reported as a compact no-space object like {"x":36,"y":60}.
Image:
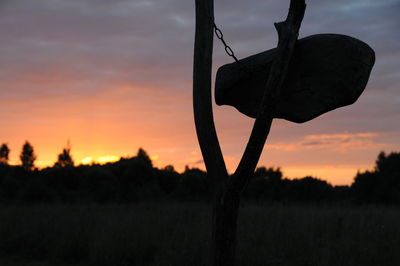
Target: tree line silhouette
{"x":134,"y":179}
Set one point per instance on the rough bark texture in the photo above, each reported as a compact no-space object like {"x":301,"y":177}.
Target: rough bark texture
{"x":228,"y":189}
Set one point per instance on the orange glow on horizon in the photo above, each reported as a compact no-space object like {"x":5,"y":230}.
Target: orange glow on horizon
{"x":336,"y":175}
{"x":100,"y":160}
{"x":117,"y":128}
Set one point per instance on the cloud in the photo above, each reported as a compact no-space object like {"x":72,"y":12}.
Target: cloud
{"x":124,"y":68}
{"x":199,"y":162}
{"x":343,"y":142}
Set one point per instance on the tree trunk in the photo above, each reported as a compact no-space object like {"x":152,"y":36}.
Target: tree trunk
{"x":228,"y":189}
{"x":224,"y":227}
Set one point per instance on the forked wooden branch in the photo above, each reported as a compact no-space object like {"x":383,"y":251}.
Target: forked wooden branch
{"x":227,"y":189}
{"x":288,"y":31}
{"x":202,"y":100}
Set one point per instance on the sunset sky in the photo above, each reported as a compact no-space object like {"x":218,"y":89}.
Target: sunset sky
{"x":113,"y":76}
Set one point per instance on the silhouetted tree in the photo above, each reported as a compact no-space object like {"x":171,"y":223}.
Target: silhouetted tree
{"x":381,"y":185}
{"x":137,"y":177}
{"x":388,"y":165}
{"x":65,"y":158}
{"x":66,"y":181}
{"x":341,"y":193}
{"x":228,"y":188}
{"x":364,"y":186}
{"x":269,"y":173}
{"x":265,"y":184}
{"x":14,"y":179}
{"x":194,"y":184}
{"x":35,"y":190}
{"x":308,"y":189}
{"x":144,"y":157}
{"x":168,"y":179}
{"x":4,"y":153}
{"x":100,"y":184}
{"x":27,"y":156}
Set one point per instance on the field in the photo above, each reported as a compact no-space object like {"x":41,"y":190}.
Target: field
{"x":178,"y":234}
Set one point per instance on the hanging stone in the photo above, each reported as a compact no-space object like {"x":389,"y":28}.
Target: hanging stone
{"x":327,"y":71}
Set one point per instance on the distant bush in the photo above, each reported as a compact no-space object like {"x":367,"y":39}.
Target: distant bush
{"x":168,"y":179}
{"x":266,"y":184}
{"x":134,"y":179}
{"x":194,"y":184}
{"x":308,"y":189}
{"x":36,"y":190}
{"x":100,"y":184}
{"x":382,"y":185}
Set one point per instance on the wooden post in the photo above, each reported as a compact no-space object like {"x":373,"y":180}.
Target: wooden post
{"x":227,"y":189}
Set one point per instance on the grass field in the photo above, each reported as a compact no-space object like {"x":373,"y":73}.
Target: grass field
{"x":178,"y":234}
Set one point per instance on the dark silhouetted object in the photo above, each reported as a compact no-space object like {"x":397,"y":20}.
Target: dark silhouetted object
{"x":381,"y":185}
{"x":100,"y":184}
{"x":28,"y":157}
{"x":133,"y":179}
{"x":137,"y":178}
{"x":4,"y":154}
{"x":144,"y":157}
{"x":36,"y":191}
{"x":194,"y":185}
{"x":65,"y":158}
{"x":309,"y":189}
{"x":168,"y":179}
{"x":266,"y":184}
{"x":327,"y":71}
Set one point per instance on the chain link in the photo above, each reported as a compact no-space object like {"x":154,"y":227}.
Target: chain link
{"x":228,"y":49}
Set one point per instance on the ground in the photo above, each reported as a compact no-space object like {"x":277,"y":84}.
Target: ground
{"x":179,"y":234}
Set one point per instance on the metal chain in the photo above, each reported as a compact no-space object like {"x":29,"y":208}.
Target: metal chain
{"x":228,"y":49}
